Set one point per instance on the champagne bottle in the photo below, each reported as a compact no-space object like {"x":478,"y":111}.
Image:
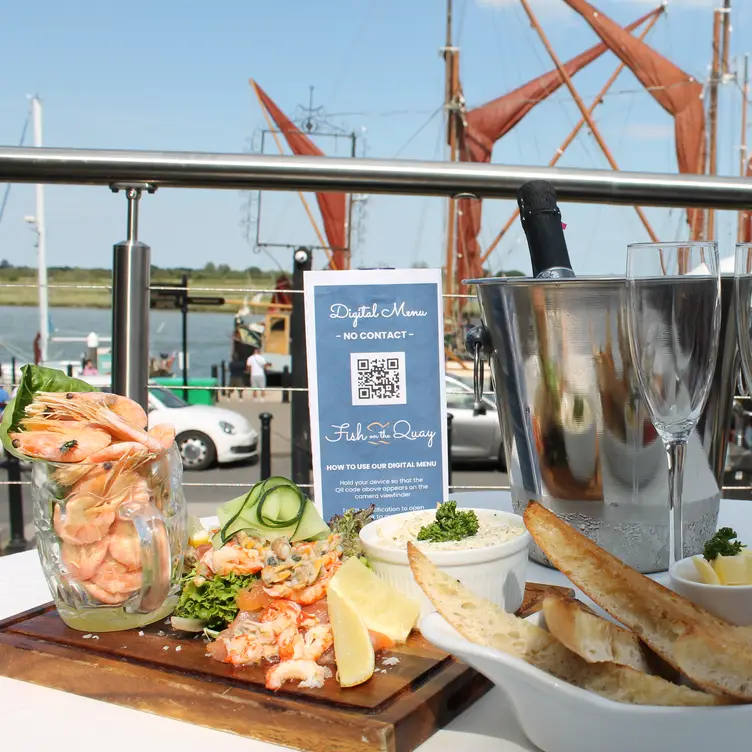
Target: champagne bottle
{"x":541,"y":220}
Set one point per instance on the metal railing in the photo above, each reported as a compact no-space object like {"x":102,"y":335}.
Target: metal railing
{"x":136,"y":172}
{"x":160,"y":169}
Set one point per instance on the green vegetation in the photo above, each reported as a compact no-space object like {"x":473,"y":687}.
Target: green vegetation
{"x":723,"y":543}
{"x":211,"y":276}
{"x":450,"y":525}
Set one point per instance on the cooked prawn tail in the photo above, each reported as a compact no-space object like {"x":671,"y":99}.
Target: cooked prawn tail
{"x":69,"y":475}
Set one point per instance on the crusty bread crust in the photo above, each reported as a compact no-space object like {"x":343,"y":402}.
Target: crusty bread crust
{"x":484,"y":623}
{"x":595,"y":639}
{"x":657,"y":615}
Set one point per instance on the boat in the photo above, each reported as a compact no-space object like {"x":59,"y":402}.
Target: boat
{"x":472,"y":134}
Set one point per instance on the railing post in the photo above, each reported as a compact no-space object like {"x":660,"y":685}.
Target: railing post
{"x":12,"y":372}
{"x":266,"y":445}
{"x":450,"y":418}
{"x":15,"y":503}
{"x":131,"y":271}
{"x":299,"y":418}
{"x":223,"y":378}
{"x":286,"y":383}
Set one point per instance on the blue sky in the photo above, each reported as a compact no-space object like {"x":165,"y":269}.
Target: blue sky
{"x":173,"y":76}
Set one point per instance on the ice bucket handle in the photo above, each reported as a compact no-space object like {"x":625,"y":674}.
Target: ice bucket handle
{"x":478,"y":342}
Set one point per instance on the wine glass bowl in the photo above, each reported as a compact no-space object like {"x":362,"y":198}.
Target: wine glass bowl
{"x":674,"y":318}
{"x":743,"y":291}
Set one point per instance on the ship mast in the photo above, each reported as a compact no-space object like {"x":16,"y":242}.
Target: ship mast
{"x":743,"y":147}
{"x":38,"y":225}
{"x":451,"y":68}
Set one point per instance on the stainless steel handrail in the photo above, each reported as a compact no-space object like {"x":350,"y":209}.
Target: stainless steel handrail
{"x":287,"y":173}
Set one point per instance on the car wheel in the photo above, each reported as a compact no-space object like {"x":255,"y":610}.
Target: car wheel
{"x":502,"y":466}
{"x":197,"y":450}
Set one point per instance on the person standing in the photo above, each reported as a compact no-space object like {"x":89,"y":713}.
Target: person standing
{"x":257,"y":366}
{"x":237,"y":376}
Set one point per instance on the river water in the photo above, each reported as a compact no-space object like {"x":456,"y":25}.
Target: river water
{"x":209,"y":334}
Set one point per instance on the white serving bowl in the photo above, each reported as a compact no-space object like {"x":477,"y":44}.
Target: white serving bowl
{"x":730,"y":602}
{"x":559,"y":717}
{"x":496,"y":573}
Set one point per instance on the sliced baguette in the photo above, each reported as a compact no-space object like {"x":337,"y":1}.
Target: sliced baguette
{"x":486,"y":624}
{"x":716,"y":661}
{"x":595,"y":639}
{"x":657,"y":615}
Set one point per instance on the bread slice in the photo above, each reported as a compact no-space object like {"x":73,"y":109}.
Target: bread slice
{"x":657,"y":615}
{"x":486,"y":624}
{"x":595,"y":639}
{"x":716,"y":661}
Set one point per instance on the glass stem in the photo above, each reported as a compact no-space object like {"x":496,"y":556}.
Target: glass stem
{"x":675,"y":452}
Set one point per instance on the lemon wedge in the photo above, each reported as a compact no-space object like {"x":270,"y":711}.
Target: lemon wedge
{"x":706,"y":571}
{"x":353,"y":650}
{"x":383,"y":608}
{"x":199,"y":538}
{"x":732,"y":570}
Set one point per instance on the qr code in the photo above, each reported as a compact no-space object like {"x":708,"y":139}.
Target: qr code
{"x":378,"y":378}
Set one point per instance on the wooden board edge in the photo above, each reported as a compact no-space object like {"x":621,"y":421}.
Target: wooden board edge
{"x":235,"y":710}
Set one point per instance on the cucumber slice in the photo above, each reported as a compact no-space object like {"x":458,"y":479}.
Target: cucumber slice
{"x":281,"y":506}
{"x":270,"y":509}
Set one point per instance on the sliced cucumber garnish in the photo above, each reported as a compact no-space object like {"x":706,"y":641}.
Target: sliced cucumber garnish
{"x":272,"y":508}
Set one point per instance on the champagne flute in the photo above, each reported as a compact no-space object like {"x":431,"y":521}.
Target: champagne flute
{"x":743,"y":290}
{"x":673,"y":301}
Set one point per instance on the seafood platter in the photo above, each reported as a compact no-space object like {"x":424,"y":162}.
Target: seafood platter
{"x":356,"y":633}
{"x":266,"y":621}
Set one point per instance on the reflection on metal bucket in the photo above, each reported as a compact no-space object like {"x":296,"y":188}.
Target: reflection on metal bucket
{"x":576,"y":435}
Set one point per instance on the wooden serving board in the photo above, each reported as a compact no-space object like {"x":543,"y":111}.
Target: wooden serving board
{"x":166,"y":672}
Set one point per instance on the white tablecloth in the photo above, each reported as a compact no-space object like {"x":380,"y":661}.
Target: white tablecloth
{"x":35,"y":717}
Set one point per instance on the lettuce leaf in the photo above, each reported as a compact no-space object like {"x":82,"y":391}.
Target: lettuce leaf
{"x":214,"y":600}
{"x":35,"y":379}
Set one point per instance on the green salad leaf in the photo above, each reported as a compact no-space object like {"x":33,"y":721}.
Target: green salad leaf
{"x":348,"y":526}
{"x":35,"y":379}
{"x":213,"y":601}
{"x":450,"y":525}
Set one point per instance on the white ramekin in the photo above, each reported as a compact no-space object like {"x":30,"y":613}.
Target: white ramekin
{"x":496,"y":573}
{"x":730,"y":602}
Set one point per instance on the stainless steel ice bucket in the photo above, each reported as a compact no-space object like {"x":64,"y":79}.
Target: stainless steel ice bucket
{"x":576,"y":436}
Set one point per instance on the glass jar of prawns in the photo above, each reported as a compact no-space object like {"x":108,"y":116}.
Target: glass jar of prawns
{"x":110,"y":518}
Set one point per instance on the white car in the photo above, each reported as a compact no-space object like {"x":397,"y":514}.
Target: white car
{"x":205,"y":434}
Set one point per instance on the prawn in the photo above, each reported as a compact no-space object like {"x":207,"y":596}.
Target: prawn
{"x":125,"y":545}
{"x":309,"y":646}
{"x":164,"y":433}
{"x":125,"y":408}
{"x":241,"y":650}
{"x":116,"y":578}
{"x":83,"y":407}
{"x":311,"y":675}
{"x":83,"y":561}
{"x":96,"y":475}
{"x":232,"y":558}
{"x":58,"y":440}
{"x":83,"y":519}
{"x":103,"y":596}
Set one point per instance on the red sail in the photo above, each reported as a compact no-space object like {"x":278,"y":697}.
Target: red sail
{"x":485,"y":125}
{"x":333,"y":206}
{"x":676,"y":91}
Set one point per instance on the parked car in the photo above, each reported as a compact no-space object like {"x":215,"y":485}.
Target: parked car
{"x":205,"y":434}
{"x":476,"y":435}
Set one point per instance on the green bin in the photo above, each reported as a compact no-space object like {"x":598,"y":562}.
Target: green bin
{"x":207,"y":396}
